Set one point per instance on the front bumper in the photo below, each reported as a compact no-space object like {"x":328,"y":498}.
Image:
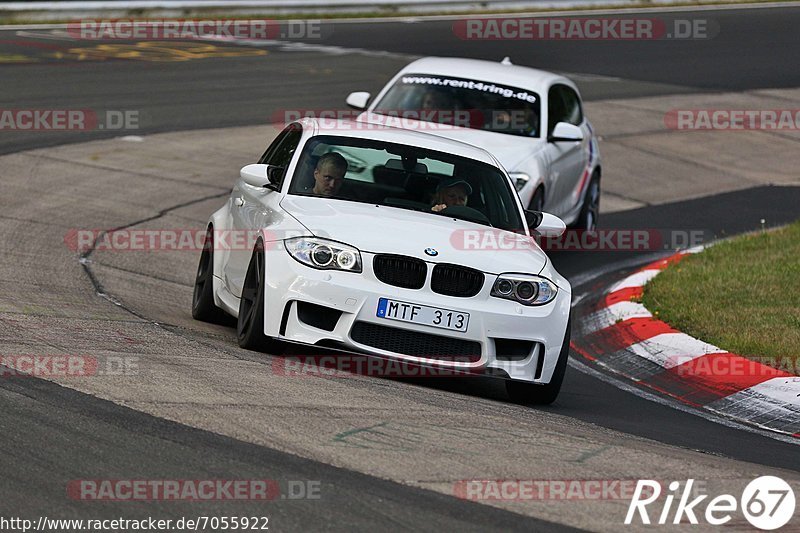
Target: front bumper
{"x":355,"y":297}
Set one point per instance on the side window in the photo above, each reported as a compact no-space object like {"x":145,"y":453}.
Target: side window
{"x":555,"y":108}
{"x":563,"y":106}
{"x":572,"y":106}
{"x":280,"y":152}
{"x":274,"y":145}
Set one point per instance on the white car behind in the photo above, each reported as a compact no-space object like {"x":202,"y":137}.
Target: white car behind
{"x":531,"y":120}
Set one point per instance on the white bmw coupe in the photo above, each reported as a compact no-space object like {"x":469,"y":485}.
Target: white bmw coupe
{"x":393,"y":243}
{"x":531,"y":120}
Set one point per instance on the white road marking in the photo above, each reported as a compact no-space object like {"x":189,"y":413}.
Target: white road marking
{"x":707,"y":415}
{"x":781,"y":390}
{"x":672,"y":349}
{"x":52,"y":34}
{"x":612,"y":314}
{"x":638,"y":279}
{"x":587,"y":277}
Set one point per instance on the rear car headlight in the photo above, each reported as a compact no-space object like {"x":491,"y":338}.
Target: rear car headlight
{"x":324,"y":254}
{"x":525,"y":289}
{"x":520,"y":179}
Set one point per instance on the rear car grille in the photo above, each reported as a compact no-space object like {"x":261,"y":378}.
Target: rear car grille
{"x":415,"y":343}
{"x":400,"y":271}
{"x":454,"y":280}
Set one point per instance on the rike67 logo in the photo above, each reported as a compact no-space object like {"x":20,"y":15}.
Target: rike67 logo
{"x":767,"y":502}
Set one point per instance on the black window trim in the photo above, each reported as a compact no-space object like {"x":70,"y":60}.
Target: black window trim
{"x":558,"y":88}
{"x":277,"y":143}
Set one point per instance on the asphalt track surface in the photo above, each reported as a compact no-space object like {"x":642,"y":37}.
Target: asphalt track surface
{"x":52,"y":434}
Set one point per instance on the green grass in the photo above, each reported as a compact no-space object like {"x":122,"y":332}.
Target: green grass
{"x":742,"y":295}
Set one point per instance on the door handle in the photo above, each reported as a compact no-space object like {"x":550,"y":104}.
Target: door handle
{"x":238,"y":202}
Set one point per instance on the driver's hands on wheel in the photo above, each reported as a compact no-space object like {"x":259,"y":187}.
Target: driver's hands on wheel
{"x":450,"y":192}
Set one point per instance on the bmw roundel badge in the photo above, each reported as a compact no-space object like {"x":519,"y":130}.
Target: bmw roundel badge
{"x":431,"y":251}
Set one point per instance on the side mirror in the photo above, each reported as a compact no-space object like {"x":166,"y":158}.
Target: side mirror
{"x":545,"y":224}
{"x":358,"y":100}
{"x":566,"y":132}
{"x":258,"y":175}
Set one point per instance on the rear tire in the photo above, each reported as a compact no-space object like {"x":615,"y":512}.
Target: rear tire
{"x":250,"y":325}
{"x":527,"y":393}
{"x":203,"y":307}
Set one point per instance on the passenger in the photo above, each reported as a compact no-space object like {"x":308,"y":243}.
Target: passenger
{"x":450,"y":192}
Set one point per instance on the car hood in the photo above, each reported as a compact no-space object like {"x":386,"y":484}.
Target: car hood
{"x":510,"y":150}
{"x":382,"y":229}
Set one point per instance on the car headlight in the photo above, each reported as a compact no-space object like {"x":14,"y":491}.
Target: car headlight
{"x":324,"y":254}
{"x":525,"y":289}
{"x":520,"y":179}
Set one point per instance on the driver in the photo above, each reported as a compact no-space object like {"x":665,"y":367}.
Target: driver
{"x":329,"y":174}
{"x":433,"y":100}
{"x":450,"y":192}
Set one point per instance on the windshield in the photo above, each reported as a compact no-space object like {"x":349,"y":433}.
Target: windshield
{"x":463,"y":102}
{"x":406,"y":177}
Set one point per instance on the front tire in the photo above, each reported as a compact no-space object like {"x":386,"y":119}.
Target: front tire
{"x":590,"y":211}
{"x":203,"y":307}
{"x":527,"y":393}
{"x":250,"y":325}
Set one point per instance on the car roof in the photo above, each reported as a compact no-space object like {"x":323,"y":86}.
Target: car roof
{"x":503,"y":72}
{"x":366,"y":130}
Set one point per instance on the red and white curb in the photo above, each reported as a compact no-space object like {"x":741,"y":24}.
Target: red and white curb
{"x":622,"y":336}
